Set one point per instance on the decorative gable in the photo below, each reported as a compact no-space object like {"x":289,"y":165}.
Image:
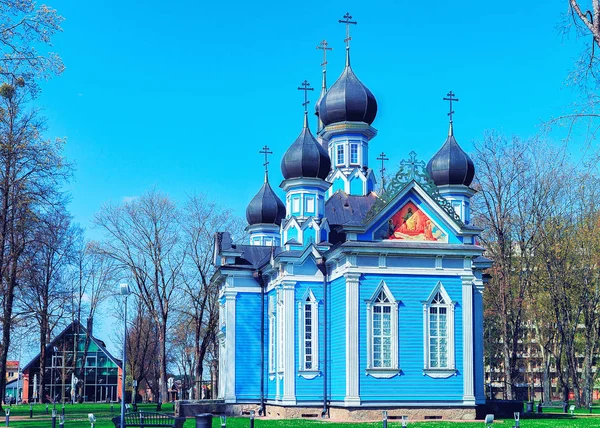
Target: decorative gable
{"x":412,"y":216}
{"x":410,"y":223}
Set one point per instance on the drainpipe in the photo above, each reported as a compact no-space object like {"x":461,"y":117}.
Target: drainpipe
{"x":323,"y":268}
{"x":257,"y":275}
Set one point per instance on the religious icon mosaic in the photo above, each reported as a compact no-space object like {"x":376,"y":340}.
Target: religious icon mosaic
{"x":411,"y":224}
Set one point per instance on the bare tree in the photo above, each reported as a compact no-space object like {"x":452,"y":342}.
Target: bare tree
{"x":23,"y":26}
{"x":45,"y":295}
{"x":92,"y":278}
{"x":515,"y":187}
{"x":31,"y":172}
{"x":143,"y":238}
{"x":142,"y":348}
{"x":202,"y":218}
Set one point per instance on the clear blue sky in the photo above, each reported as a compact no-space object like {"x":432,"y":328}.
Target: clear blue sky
{"x":181,"y":95}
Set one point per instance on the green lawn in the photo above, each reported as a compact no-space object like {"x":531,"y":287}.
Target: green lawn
{"x":76,"y":417}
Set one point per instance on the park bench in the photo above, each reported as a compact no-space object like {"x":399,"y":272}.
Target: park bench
{"x":551,"y":405}
{"x":148,"y":419}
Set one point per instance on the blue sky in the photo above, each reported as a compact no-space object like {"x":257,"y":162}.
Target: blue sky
{"x":181,"y":95}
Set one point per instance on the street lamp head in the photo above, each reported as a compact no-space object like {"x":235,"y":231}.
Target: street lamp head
{"x":124,"y":289}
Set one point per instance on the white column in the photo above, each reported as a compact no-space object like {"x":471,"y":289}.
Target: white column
{"x":352,"y":363}
{"x":289,"y":368}
{"x":468,"y":357}
{"x":230,"y":297}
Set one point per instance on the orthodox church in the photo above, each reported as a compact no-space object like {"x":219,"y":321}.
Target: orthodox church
{"x":343,"y":301}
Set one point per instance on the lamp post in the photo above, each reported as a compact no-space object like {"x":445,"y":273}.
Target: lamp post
{"x":125,"y":291}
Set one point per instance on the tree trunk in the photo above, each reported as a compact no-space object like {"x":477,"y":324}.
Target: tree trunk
{"x":162,"y":337}
{"x":6,"y":324}
{"x":508,"y":380}
{"x":43,"y":335}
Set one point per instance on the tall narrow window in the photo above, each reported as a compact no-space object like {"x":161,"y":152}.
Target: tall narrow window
{"x":354,"y":153}
{"x":272,"y":337}
{"x":295,"y":205}
{"x":308,"y":337}
{"x":310,"y":205}
{"x":438,"y":329}
{"x":382,"y":332}
{"x":438,"y":333}
{"x":340,"y":154}
{"x":308,"y":319}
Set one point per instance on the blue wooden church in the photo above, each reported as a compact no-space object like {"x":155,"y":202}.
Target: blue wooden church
{"x":343,"y":301}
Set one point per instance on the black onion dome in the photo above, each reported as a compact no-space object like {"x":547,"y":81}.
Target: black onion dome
{"x":305,"y":157}
{"x":348,"y":100}
{"x":265,"y":207}
{"x":451,"y":165}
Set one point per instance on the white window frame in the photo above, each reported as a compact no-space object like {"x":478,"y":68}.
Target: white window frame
{"x":354,"y":146}
{"x":55,"y":359}
{"x":308,"y":300}
{"x":339,"y":151}
{"x":392,"y":303}
{"x":450,"y":369}
{"x":272,"y":334}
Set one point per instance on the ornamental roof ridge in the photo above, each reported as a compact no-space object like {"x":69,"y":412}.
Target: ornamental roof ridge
{"x":412,"y":170}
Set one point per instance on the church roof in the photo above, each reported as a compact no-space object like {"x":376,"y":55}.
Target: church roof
{"x":348,"y":100}
{"x":349,"y":210}
{"x":99,"y":343}
{"x":254,"y":256}
{"x":305,"y":158}
{"x":265,"y":207}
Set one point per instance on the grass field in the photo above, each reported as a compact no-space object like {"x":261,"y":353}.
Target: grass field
{"x":76,"y":416}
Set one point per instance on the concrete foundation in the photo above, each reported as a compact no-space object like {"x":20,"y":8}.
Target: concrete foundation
{"x":219,"y":407}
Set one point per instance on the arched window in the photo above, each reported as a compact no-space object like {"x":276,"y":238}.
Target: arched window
{"x":438,"y":334}
{"x":308,"y":321}
{"x":272,"y":336}
{"x":382,"y":333}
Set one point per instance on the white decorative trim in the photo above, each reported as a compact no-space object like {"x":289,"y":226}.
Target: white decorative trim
{"x":352,"y":339}
{"x":438,"y":262}
{"x":309,"y":374}
{"x":382,"y":261}
{"x":450,"y":305}
{"x":343,"y":270}
{"x":382,"y":373}
{"x":289,"y":378}
{"x":468,"y":352}
{"x":393,"y":303}
{"x":245,"y":289}
{"x":440,"y":373}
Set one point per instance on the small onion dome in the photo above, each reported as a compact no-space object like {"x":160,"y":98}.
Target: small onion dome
{"x":451,"y":165}
{"x":265,"y":207}
{"x":348,"y":100}
{"x":305,"y":157}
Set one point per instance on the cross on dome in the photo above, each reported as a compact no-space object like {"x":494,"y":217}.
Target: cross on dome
{"x":323,"y":46}
{"x":266,"y":151}
{"x":346,"y":20}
